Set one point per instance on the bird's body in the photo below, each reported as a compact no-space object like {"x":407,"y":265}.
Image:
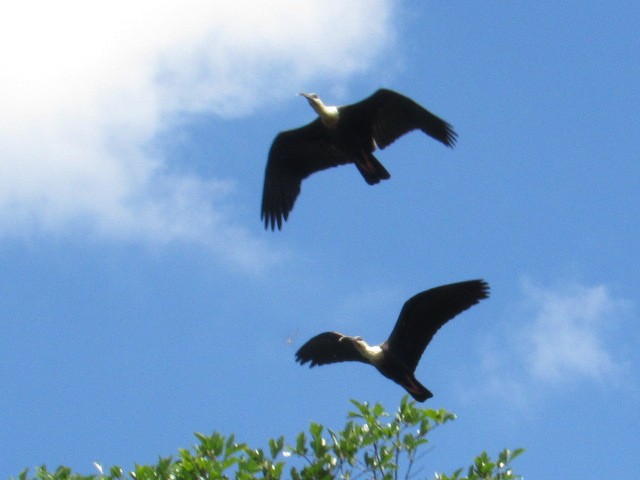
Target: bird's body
{"x":397,"y":357}
{"x":341,"y":135}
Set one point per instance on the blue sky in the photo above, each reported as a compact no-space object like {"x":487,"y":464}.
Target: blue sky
{"x":141,"y":300}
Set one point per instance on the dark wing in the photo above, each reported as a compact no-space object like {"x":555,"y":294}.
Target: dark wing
{"x":423,"y":314}
{"x":328,"y":348}
{"x":391,"y":115}
{"x":294,"y":155}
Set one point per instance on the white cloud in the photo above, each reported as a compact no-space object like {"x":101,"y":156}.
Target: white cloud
{"x":558,"y":337}
{"x":567,"y":338}
{"x":85,"y":86}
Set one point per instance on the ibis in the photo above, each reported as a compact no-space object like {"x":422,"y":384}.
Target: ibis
{"x":397,"y":357}
{"x":341,"y":135}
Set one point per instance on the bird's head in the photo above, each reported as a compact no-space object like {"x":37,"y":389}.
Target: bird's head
{"x":314,"y":101}
{"x":328,"y":114}
{"x":311,"y":97}
{"x":359,"y":343}
{"x":350,"y":339}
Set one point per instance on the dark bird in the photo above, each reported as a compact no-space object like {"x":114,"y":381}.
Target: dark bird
{"x":397,"y":357}
{"x":341,"y":135}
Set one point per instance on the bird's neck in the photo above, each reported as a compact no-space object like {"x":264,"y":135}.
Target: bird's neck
{"x":328,"y":114}
{"x":373,"y":353}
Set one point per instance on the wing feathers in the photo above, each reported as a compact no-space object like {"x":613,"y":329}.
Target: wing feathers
{"x":328,"y":348}
{"x":423,"y":315}
{"x":391,"y":115}
{"x":294,"y":155}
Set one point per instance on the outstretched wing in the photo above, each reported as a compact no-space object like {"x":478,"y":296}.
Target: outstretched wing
{"x":423,"y":315}
{"x":329,"y":347}
{"x":294,"y":155}
{"x":388,"y":115}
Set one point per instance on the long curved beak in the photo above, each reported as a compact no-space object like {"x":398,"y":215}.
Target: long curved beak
{"x":305,"y":95}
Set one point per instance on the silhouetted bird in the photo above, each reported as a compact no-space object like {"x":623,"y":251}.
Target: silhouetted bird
{"x":340,"y":135}
{"x":397,"y":357}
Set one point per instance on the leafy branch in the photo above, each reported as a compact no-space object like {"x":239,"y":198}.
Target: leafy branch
{"x":373,"y":445}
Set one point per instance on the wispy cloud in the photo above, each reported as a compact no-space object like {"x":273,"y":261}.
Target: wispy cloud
{"x":567,"y":337}
{"x":85,"y":88}
{"x":563,"y":337}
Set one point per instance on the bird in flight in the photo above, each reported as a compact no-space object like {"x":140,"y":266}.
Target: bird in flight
{"x":341,"y":135}
{"x":398,"y":356}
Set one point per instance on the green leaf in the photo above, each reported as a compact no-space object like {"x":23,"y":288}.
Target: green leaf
{"x":378,"y":410}
{"x":516,"y":453}
{"x":115,"y":472}
{"x":301,"y":444}
{"x":315,"y":429}
{"x":275,"y":446}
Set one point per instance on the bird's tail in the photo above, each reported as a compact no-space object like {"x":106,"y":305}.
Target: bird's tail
{"x":371,"y":168}
{"x":415,"y":388}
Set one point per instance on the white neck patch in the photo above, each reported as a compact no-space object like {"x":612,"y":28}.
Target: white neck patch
{"x":372,"y":353}
{"x":329,"y":116}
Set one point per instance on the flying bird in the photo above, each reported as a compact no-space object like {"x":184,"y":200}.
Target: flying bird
{"x":341,"y":135}
{"x":398,"y":356}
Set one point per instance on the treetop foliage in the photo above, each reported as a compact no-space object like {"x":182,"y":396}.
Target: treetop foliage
{"x":373,"y":444}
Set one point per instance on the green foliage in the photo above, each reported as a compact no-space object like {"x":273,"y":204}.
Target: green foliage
{"x":373,"y":442}
{"x":373,"y":445}
{"x":485,"y":468}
